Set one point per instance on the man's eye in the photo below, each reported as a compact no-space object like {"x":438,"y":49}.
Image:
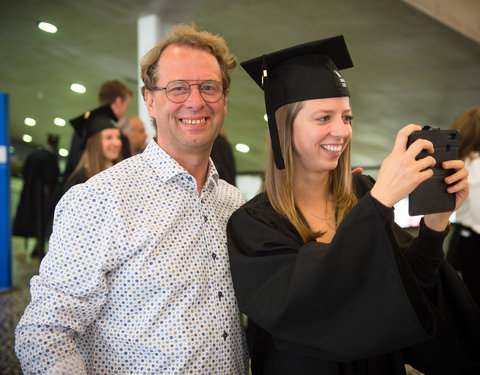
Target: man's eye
{"x":178,"y":89}
{"x":323,"y":118}
{"x":348,"y":119}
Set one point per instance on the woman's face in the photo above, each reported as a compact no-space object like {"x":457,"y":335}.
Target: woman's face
{"x":111,"y":143}
{"x":321,"y":131}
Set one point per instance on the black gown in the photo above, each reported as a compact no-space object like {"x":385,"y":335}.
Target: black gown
{"x":367,"y":303}
{"x":35,"y":209}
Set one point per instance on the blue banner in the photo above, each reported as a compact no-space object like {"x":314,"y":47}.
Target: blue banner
{"x":5,"y":227}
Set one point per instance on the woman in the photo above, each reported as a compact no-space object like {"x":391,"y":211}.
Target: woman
{"x":329,"y":283}
{"x":464,"y":251}
{"x":102,"y":143}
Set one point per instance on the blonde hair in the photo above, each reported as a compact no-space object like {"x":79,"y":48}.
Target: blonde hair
{"x":93,"y":160}
{"x":468,"y":124}
{"x":279,"y":183}
{"x":188,"y":35}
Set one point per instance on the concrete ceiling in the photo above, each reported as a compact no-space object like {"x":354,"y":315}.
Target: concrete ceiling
{"x":409,"y":67}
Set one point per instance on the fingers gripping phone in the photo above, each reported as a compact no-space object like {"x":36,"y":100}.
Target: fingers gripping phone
{"x":431,"y":196}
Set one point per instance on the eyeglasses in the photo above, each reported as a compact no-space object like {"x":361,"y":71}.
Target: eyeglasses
{"x":179,"y":91}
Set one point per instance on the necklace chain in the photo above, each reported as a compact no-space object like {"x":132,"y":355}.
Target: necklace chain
{"x":325,"y":218}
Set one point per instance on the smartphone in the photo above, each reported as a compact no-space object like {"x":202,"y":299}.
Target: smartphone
{"x":431,"y":196}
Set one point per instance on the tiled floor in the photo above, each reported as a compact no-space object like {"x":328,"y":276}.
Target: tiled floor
{"x":13,"y":303}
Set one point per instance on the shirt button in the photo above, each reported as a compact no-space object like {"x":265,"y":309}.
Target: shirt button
{"x":220,"y":295}
{"x":205,"y":218}
{"x":214,"y":256}
{"x":225,"y":335}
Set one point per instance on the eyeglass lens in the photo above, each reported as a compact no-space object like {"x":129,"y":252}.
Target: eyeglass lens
{"x":179,"y":91}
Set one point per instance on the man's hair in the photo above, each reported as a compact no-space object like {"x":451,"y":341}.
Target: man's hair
{"x":111,"y":90}
{"x":468,"y":123}
{"x":188,"y":35}
{"x":278,"y":183}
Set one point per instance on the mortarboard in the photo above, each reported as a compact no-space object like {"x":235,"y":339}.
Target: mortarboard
{"x":303,"y":72}
{"x":94,"y":121}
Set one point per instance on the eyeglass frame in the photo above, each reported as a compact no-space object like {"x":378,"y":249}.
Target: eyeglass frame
{"x":190,"y":89}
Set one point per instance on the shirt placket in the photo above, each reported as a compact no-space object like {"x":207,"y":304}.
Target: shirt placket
{"x":216,"y":258}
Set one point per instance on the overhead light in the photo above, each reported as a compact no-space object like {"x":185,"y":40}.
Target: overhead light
{"x":63,"y":152}
{"x":11,"y":149}
{"x":47,"y":27}
{"x":265,"y":117}
{"x":29,"y":121}
{"x":27,"y":138}
{"x":242,"y":147}
{"x":59,"y":121}
{"x":77,"y":87}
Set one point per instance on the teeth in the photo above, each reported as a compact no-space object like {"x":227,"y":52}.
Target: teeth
{"x":332,"y":148}
{"x":193,"y":122}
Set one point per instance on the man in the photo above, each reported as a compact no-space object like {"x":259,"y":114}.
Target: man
{"x":35,"y":209}
{"x":133,"y":136}
{"x":137,"y":277}
{"x":111,"y":92}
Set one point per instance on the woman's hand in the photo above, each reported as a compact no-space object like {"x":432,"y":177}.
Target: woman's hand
{"x":458,"y":186}
{"x":400,"y":173}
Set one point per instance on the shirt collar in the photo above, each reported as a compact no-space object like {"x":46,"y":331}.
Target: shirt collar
{"x":167,"y":167}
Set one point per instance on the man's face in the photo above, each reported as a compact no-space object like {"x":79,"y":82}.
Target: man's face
{"x":192,"y":126}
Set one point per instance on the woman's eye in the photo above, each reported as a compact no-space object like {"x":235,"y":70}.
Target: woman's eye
{"x":348,"y":119}
{"x":323,"y":118}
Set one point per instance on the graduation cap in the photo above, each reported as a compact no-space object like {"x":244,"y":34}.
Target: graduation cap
{"x":93,"y":122}
{"x":303,"y":72}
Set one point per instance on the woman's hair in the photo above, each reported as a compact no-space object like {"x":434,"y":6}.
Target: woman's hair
{"x":468,"y":124}
{"x":279,"y":183}
{"x":188,"y":35}
{"x":93,"y":160}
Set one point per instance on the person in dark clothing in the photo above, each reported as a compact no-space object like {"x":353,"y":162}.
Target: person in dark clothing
{"x":222,"y":156}
{"x":117,"y":95}
{"x":101,"y":143}
{"x":133,"y":136}
{"x":35,"y":210}
{"x":329,"y":283}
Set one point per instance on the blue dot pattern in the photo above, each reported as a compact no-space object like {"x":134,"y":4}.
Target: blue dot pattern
{"x":137,"y":277}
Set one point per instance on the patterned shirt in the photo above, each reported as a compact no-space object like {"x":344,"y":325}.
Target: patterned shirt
{"x":137,"y":278}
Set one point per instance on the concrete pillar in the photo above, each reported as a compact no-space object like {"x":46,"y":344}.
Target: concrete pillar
{"x":150,"y":30}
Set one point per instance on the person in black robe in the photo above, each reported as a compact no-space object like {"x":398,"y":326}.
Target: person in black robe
{"x":222,"y":156}
{"x":329,"y":283}
{"x":101,"y":144}
{"x":34,"y":214}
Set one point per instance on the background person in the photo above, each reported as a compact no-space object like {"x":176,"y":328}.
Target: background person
{"x":330,"y":284}
{"x":222,"y":156}
{"x":113,"y":93}
{"x":464,"y":250}
{"x":133,"y":135}
{"x":102,"y":144}
{"x":35,"y":209}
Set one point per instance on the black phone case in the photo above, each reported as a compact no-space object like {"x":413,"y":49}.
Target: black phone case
{"x":431,"y":196}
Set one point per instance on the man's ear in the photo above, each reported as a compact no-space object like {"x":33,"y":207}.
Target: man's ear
{"x":148,"y":97}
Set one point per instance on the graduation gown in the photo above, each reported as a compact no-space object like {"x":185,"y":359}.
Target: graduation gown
{"x":35,"y":208}
{"x":367,"y":303}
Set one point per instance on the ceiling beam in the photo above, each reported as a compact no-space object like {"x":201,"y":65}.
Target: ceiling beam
{"x":460,"y":15}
